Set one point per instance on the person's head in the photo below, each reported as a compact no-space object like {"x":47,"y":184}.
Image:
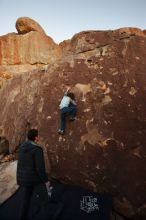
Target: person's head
{"x":32,"y":135}
{"x":71,"y":95}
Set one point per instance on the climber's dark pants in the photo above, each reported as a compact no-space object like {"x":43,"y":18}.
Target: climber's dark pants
{"x":71,"y":111}
{"x":25,"y":202}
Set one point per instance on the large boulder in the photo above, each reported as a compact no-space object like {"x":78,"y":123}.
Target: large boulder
{"x":8,"y":183}
{"x":27,"y":50}
{"x":104,"y":149}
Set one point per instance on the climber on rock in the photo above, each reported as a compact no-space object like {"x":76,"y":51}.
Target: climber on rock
{"x":67,"y":107}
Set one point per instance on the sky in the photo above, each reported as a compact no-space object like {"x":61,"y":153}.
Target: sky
{"x":62,"y":19}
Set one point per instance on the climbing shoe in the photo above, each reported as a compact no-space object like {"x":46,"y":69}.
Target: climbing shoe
{"x":72,"y":119}
{"x":60,"y":131}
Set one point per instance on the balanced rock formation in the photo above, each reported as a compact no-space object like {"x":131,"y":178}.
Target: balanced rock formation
{"x":104,"y":149}
{"x":25,"y":25}
{"x":30,"y":49}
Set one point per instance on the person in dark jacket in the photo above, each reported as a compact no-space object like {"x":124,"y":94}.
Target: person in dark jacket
{"x":30,"y":170}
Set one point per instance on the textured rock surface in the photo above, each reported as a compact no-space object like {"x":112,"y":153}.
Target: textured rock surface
{"x":31,"y":48}
{"x":7,"y":180}
{"x":104,"y":149}
{"x":4,"y":76}
{"x":4,"y":146}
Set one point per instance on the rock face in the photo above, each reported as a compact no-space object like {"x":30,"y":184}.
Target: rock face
{"x":104,"y":149}
{"x":30,"y":48}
